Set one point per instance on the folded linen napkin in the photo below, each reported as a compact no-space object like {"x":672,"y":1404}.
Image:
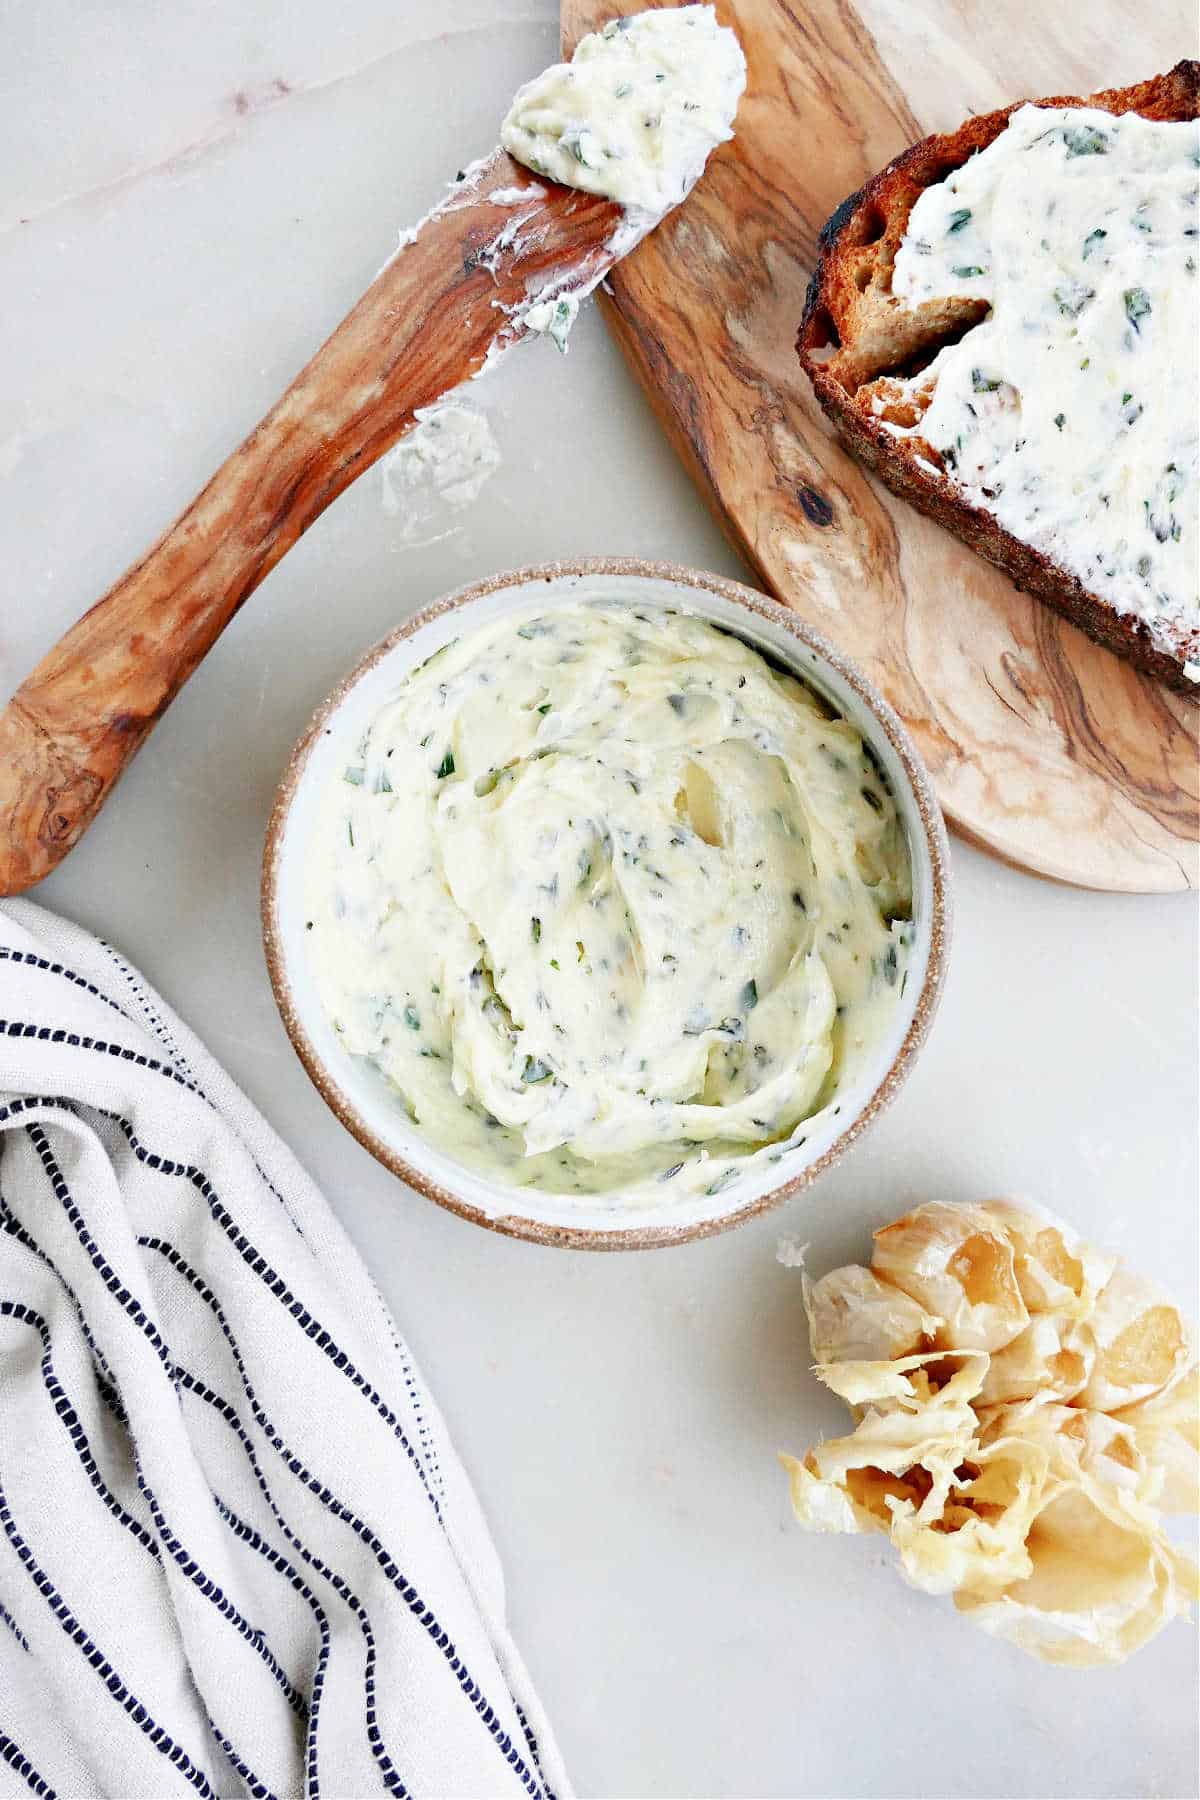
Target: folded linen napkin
{"x":237,"y":1551}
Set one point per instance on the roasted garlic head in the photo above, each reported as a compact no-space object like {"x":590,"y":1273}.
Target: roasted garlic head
{"x":1026,"y":1411}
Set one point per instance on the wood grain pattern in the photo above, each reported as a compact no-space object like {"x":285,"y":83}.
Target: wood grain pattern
{"x":1044,"y":748}
{"x":426,"y":323}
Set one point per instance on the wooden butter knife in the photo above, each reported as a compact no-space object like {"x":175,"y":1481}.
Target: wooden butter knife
{"x":456,"y":292}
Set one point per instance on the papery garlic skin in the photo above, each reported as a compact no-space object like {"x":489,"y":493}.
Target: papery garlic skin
{"x":854,"y":1316}
{"x":1026,"y":1411}
{"x":1166,"y":1431}
{"x":1103,"y":1580}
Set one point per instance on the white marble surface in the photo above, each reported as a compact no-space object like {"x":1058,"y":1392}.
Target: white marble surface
{"x":191,"y":196}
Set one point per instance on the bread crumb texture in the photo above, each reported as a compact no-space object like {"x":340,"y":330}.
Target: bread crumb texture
{"x":1027,"y":1411}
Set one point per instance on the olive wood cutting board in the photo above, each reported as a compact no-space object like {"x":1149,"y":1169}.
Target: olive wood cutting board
{"x":1044,"y":748}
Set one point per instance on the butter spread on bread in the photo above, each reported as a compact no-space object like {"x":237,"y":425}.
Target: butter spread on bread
{"x":998,"y":285}
{"x":1070,"y":410}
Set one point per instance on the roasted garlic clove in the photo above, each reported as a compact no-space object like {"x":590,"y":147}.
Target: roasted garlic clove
{"x":957,"y":1262}
{"x":1056,"y":1271}
{"x":1141,"y":1343}
{"x":1077,"y":1442}
{"x":1052,"y":1358}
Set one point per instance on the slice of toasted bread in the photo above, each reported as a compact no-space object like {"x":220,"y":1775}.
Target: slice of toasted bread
{"x":857,"y":341}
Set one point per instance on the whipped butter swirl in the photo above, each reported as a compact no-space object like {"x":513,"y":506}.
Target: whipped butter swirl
{"x":609,"y":901}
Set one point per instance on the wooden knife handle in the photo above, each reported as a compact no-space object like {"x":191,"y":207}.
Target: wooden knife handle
{"x":426,"y":323}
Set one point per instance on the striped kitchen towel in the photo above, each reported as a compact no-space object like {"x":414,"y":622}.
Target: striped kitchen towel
{"x":237,"y":1551}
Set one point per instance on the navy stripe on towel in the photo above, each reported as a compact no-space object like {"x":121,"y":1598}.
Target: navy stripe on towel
{"x":16,"y":1759}
{"x":93,"y":1655}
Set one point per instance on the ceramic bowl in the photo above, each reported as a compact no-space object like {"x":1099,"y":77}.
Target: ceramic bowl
{"x":361,"y":1098}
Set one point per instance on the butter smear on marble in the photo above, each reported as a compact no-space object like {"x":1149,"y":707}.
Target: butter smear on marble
{"x":440,"y":466}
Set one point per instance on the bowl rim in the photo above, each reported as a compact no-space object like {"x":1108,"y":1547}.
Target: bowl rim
{"x":630,"y":1237}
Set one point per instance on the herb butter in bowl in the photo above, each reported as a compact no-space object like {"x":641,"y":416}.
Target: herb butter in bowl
{"x":605,"y":904}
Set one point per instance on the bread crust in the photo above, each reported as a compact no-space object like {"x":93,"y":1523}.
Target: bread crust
{"x":853,"y":330}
